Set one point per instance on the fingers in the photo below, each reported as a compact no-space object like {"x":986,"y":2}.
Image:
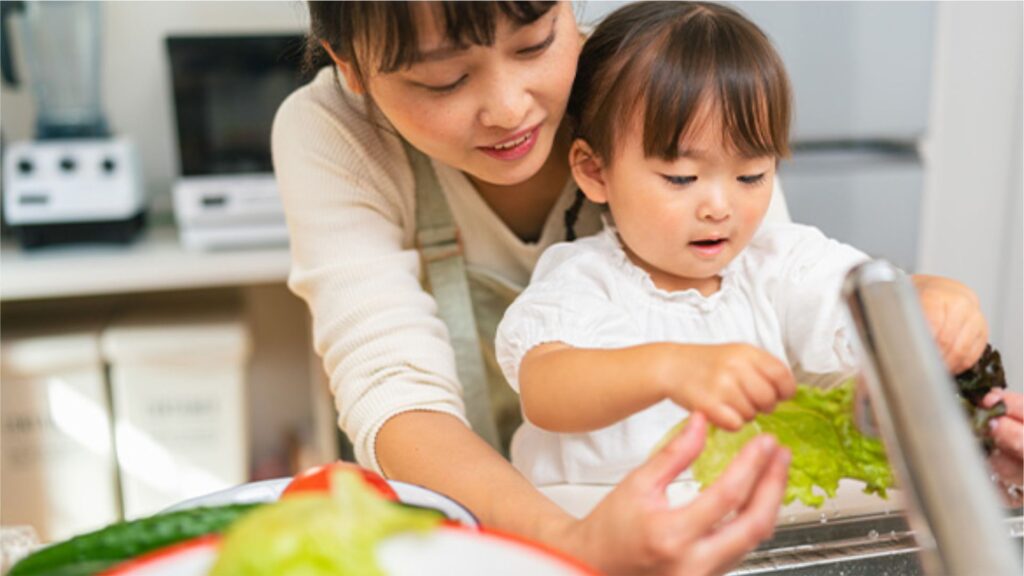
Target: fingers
{"x":755,"y":522}
{"x":1008,"y":433}
{"x":730,"y":492}
{"x":1013,"y":400}
{"x":668,"y":463}
{"x":954,"y":315}
{"x":725,"y":417}
{"x":741,"y":402}
{"x":968,"y":342}
{"x":779,"y":375}
{"x":761,"y":393}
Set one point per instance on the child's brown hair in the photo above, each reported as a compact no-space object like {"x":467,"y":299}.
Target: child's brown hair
{"x":668,"y":60}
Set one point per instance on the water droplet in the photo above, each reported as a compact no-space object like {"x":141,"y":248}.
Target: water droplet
{"x":1015,"y":491}
{"x":873,"y":535}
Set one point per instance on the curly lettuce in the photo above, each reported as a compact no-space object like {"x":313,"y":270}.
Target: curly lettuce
{"x":818,"y":428}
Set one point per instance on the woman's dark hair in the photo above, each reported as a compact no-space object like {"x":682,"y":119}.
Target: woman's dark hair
{"x":667,"y":60}
{"x":383,"y":36}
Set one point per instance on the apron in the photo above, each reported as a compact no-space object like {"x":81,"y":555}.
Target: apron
{"x":471,"y":302}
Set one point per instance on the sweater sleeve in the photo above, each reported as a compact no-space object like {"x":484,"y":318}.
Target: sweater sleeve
{"x":348,"y":196}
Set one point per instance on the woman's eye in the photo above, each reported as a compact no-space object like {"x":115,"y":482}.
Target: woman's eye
{"x":752,"y":179}
{"x":538,"y":48}
{"x":679,"y":180}
{"x":447,"y":87}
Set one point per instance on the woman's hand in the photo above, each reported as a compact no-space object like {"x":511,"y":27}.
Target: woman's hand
{"x":635,"y":531}
{"x":1007,"y":461}
{"x":954,"y":314}
{"x":729,"y":383}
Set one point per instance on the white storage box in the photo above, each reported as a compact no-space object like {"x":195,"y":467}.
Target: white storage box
{"x":58,"y":470}
{"x":178,"y":382}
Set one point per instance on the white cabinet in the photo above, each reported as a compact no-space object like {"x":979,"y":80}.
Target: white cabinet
{"x":58,"y":471}
{"x":282,"y":416}
{"x":179,"y":391}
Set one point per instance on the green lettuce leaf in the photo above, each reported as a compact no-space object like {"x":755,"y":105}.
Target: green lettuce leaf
{"x":818,"y":428}
{"x":318,"y":534}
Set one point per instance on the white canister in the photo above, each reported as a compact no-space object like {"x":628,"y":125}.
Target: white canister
{"x":178,"y":382}
{"x":58,"y":470}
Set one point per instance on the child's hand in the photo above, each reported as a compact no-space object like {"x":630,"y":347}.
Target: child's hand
{"x":954,"y":314}
{"x":729,"y":383}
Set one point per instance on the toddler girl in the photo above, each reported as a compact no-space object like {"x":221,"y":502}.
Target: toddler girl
{"x":686,"y":301}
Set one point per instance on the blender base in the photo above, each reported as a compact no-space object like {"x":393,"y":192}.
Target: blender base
{"x":97,"y":232}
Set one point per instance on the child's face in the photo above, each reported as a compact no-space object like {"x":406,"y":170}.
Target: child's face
{"x":683,"y":221}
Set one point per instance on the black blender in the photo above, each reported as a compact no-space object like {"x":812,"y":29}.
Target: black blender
{"x":74,"y":182}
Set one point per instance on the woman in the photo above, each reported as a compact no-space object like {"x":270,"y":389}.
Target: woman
{"x":437,"y":135}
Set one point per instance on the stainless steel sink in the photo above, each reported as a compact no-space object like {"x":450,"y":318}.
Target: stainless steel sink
{"x":870,"y":545}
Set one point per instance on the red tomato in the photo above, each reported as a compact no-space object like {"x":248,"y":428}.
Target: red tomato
{"x":318,"y":479}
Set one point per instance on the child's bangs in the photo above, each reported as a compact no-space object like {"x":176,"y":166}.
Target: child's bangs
{"x":390,"y":40}
{"x":749,"y":91}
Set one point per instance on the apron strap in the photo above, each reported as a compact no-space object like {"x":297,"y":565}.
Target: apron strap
{"x":437,"y":240}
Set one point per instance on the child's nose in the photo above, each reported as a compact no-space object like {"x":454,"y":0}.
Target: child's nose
{"x":715,"y":206}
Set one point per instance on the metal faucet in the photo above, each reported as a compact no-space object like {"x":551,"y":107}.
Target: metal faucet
{"x":952,"y":504}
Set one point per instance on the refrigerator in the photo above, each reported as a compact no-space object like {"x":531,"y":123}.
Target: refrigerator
{"x":862,"y":80}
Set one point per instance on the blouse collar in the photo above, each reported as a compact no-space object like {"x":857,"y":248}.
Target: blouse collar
{"x":640,"y":277}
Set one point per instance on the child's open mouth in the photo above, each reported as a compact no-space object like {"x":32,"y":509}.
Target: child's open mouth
{"x":710,"y":247}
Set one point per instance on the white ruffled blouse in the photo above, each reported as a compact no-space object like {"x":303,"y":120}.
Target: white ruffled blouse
{"x":781,"y":294}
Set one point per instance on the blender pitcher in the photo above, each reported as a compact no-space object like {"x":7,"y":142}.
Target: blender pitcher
{"x":61,"y":43}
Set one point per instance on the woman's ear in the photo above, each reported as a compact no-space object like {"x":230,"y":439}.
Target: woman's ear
{"x":346,"y":70}
{"x":588,"y":171}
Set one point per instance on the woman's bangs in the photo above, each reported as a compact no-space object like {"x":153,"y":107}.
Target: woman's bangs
{"x":464,"y":24}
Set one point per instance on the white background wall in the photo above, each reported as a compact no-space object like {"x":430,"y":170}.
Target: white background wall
{"x":973,"y":158}
{"x":973,"y":150}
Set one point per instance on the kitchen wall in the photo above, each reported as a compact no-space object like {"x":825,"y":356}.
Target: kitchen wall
{"x":973,"y":154}
{"x":972,"y":151}
{"x":136,"y":74}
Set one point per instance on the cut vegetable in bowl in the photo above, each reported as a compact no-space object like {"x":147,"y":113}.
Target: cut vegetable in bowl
{"x":320,"y":533}
{"x":318,"y":479}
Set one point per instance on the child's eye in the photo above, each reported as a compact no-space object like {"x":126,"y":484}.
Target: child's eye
{"x":448,"y":87}
{"x":752,"y":179}
{"x":679,"y":180}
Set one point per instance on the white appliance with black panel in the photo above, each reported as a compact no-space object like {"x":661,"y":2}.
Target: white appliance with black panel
{"x":226,"y":92}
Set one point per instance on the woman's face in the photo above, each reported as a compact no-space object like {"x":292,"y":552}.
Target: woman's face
{"x":490,"y":111}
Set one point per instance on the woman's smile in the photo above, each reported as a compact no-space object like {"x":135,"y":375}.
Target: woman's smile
{"x":514,"y":147}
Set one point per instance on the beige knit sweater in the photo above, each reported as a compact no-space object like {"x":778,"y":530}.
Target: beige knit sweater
{"x":350,"y":204}
{"x":349,"y":199}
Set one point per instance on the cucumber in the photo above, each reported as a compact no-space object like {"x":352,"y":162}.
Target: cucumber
{"x":99,"y":550}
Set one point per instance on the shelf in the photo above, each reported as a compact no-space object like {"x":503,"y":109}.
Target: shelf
{"x":155,"y":262}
